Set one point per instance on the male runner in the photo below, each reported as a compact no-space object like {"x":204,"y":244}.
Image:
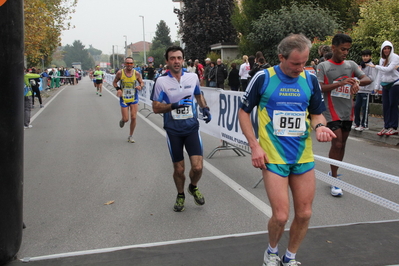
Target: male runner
{"x":173,"y":96}
{"x":130,"y":82}
{"x":339,"y":80}
{"x":285,"y":96}
{"x":99,"y":76}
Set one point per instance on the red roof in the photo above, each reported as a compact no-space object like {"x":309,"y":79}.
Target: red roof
{"x":139,"y":47}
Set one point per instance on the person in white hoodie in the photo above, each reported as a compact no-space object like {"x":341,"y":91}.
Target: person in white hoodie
{"x":388,"y":78}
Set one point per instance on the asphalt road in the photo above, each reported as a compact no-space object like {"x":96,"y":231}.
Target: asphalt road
{"x":77,"y":159}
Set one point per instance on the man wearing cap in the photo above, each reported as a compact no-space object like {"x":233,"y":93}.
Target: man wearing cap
{"x":206,"y":72}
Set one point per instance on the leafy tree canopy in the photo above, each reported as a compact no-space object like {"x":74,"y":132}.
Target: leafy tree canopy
{"x":273,"y":26}
{"x":160,"y":42}
{"x":206,"y":22}
{"x":44,"y":22}
{"x":346,"y":15}
{"x":162,"y":34}
{"x":77,"y":53}
{"x":379,"y":22}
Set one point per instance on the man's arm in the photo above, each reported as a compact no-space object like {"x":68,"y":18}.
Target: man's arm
{"x":259,"y":157}
{"x":323,"y":133}
{"x":115,"y":83}
{"x":201,"y":100}
{"x":140,"y":80}
{"x":159,"y":107}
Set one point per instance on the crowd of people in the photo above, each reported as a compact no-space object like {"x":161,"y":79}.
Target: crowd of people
{"x":37,"y":80}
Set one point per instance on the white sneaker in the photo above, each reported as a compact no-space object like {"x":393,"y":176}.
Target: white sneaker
{"x":271,"y":260}
{"x":353,"y":126}
{"x":335,"y":191}
{"x":291,"y":263}
{"x":359,"y":128}
{"x":130,"y":139}
{"x":30,"y":126}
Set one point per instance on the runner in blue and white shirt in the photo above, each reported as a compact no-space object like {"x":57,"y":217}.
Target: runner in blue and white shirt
{"x":173,"y":95}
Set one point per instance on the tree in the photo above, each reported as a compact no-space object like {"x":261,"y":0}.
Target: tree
{"x":160,"y":42}
{"x":162,"y":35}
{"x":379,"y":22}
{"x":44,"y":22}
{"x":273,"y":26}
{"x":77,"y":53}
{"x":206,"y":22}
{"x":346,"y":15}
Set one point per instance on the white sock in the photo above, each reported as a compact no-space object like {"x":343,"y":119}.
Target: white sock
{"x":271,"y":250}
{"x":289,"y":255}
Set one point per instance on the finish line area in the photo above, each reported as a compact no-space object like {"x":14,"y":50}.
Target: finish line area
{"x":332,"y":245}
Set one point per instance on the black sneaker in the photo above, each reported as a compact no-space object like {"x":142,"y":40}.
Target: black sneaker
{"x":179,"y":204}
{"x":198,"y":198}
{"x":121,"y":123}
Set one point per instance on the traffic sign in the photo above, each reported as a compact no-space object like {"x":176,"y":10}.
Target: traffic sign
{"x":150,"y":59}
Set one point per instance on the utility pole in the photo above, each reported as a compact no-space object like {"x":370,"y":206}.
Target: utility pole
{"x":145,"y":55}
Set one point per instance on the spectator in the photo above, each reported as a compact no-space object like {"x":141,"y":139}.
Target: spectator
{"x":150,"y":71}
{"x":212,"y":75}
{"x":34,"y":82}
{"x":362,"y":97}
{"x":206,"y":71}
{"x":27,"y":101}
{"x":244,"y":72}
{"x":190,"y":67}
{"x":72,"y":73}
{"x":234,"y":78}
{"x":388,"y":78}
{"x":221,"y":73}
{"x":45,"y":79}
{"x":260,"y":65}
{"x":199,"y":70}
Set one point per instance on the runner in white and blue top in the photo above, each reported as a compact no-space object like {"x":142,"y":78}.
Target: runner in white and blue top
{"x":173,"y":95}
{"x":167,"y":89}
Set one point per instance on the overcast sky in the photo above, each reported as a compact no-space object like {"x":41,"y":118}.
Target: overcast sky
{"x":103,"y":23}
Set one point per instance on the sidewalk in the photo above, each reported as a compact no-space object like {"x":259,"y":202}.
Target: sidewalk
{"x":375,"y":126}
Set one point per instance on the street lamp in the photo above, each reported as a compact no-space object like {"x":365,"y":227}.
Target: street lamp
{"x":125,"y":45}
{"x":117,"y":55}
{"x":145,"y":56}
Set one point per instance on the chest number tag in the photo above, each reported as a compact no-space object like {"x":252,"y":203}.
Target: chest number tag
{"x":181,"y":113}
{"x":342,"y":91}
{"x":289,"y":123}
{"x":128,"y":92}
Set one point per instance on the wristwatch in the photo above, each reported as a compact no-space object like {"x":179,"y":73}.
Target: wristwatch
{"x":319,"y":125}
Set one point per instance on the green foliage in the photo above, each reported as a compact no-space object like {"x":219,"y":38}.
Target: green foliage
{"x":346,"y":15}
{"x":160,"y":43}
{"x":273,"y":26}
{"x":162,"y":35}
{"x":44,"y":22}
{"x":379,"y":22}
{"x":77,"y":53}
{"x":213,"y":56}
{"x":206,"y":22}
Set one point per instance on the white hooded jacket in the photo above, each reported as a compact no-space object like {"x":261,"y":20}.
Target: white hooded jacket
{"x":387,"y":73}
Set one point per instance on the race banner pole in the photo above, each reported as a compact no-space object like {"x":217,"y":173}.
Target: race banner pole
{"x":11,"y":127}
